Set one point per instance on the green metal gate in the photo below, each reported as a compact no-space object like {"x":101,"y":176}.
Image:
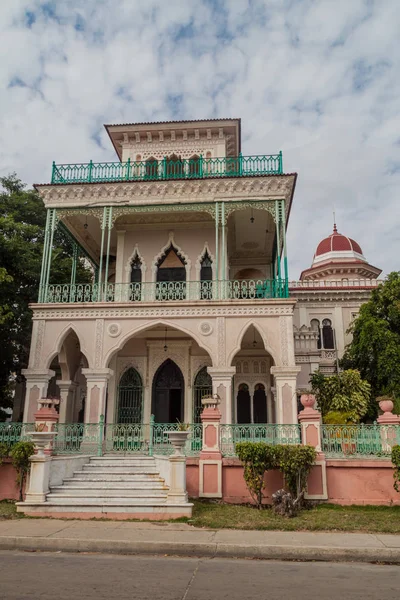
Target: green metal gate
{"x":202,"y":387}
{"x":130,"y":397}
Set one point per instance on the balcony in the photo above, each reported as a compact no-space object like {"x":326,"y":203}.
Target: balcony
{"x":155,"y":170}
{"x":165,"y":291}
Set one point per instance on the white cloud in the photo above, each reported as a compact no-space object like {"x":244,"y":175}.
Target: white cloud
{"x":318,"y":79}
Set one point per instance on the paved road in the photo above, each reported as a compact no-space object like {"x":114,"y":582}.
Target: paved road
{"x":45,"y":576}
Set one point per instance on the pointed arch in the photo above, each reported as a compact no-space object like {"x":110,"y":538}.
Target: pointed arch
{"x":168,"y":388}
{"x":171,"y":242}
{"x":130,"y":397}
{"x":151,"y":168}
{"x":197,"y":266}
{"x":164,"y":323}
{"x":135,"y":253}
{"x":241,"y":335}
{"x":202,"y":386}
{"x":68,"y":329}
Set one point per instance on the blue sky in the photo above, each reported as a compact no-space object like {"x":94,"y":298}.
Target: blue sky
{"x":317,"y":79}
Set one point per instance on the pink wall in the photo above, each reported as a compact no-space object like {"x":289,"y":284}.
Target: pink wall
{"x":9,"y":490}
{"x":348,"y":482}
{"x":361,"y":482}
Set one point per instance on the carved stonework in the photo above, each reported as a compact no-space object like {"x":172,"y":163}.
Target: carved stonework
{"x":98,"y":352}
{"x":221,"y":341}
{"x":161,"y":192}
{"x":137,"y":362}
{"x":176,"y":351}
{"x":156,"y":311}
{"x":197,"y":363}
{"x":284,"y":340}
{"x":39,"y":343}
{"x":114,"y":329}
{"x":205,"y":328}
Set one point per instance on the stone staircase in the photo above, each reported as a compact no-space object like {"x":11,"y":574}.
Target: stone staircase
{"x":114,"y":487}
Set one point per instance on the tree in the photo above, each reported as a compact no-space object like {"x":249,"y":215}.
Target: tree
{"x":375,"y":346}
{"x":22,"y":224}
{"x":343,"y":398}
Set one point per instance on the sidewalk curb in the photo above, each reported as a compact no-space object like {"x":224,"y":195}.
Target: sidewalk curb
{"x":210,"y":550}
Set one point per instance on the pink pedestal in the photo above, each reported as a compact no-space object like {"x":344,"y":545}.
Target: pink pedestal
{"x":210,"y":462}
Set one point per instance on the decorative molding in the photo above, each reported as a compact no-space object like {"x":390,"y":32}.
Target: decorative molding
{"x":158,"y":193}
{"x":206,"y":249}
{"x":98,"y":352}
{"x":221,"y":341}
{"x":114,"y":329}
{"x":129,"y":263}
{"x":205,"y":328}
{"x":164,"y":311}
{"x":124,"y":363}
{"x":284,"y":340}
{"x":171,"y":242}
{"x":37,"y":345}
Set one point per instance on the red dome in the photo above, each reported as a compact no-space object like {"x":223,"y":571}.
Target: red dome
{"x":337,"y":242}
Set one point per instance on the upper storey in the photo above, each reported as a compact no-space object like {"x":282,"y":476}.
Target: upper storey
{"x":212,"y":138}
{"x":172,"y":150}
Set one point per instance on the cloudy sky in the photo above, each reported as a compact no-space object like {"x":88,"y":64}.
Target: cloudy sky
{"x":317,"y":79}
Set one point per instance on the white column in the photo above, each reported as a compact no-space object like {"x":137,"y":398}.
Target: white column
{"x":120,"y":275}
{"x":97,"y":380}
{"x":222,"y":376}
{"x":37,"y":382}
{"x":286,"y":397}
{"x":65,"y":387}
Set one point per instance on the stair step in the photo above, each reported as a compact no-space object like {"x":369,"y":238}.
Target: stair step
{"x":79,"y":476}
{"x":105,"y":484}
{"x":64,"y":499}
{"x":97,"y":493}
{"x":118,"y":471}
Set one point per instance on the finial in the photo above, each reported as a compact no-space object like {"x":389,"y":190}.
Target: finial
{"x":334,"y":221}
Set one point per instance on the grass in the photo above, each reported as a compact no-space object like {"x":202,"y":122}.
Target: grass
{"x":8,"y":510}
{"x":323,"y":517}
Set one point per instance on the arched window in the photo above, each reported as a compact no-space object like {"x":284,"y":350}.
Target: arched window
{"x":327,"y":334}
{"x":206,"y":277}
{"x":171,"y":276}
{"x":174,"y":167}
{"x":151,"y":168}
{"x":243,"y":411}
{"x":260,"y":404}
{"x":202,"y":387}
{"x":135,"y":289}
{"x":194,"y":166}
{"x":315,"y":327}
{"x":130,"y":397}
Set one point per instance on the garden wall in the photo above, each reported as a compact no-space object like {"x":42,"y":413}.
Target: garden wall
{"x":348,"y":481}
{"x":9,"y":490}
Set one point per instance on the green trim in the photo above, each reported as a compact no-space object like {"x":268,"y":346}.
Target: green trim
{"x":73,"y":240}
{"x":103,"y":225}
{"x":278,"y":240}
{"x":44,"y":257}
{"x":240,"y":166}
{"x":217,"y":249}
{"x":109,"y":226}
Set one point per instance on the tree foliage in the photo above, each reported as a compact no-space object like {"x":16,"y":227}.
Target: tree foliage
{"x":20,"y":453}
{"x":343,"y":398}
{"x":375,"y":346}
{"x":396,"y":466}
{"x":257,"y":458}
{"x":22,"y":225}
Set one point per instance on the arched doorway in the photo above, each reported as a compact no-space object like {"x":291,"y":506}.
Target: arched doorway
{"x":171,"y":276}
{"x":130,"y":397}
{"x":202,"y":387}
{"x":168,"y":391}
{"x":260,"y":404}
{"x":243,"y":410}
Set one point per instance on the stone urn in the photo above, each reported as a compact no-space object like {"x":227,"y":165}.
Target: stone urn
{"x":178,"y":440}
{"x":42,"y":439}
{"x":307,"y":401}
{"x":386,"y":405}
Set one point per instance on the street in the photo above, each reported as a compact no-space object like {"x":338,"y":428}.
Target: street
{"x":45,"y":576}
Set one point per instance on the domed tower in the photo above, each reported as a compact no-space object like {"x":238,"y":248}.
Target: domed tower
{"x":339,"y":258}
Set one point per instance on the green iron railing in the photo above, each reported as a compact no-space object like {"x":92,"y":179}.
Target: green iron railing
{"x":79,"y":438}
{"x":11,"y":433}
{"x":165,"y":291}
{"x":230,"y":435}
{"x":355,"y":441}
{"x":151,"y":170}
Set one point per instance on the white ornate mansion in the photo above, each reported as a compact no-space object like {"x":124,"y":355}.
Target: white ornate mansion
{"x":186,"y":240}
